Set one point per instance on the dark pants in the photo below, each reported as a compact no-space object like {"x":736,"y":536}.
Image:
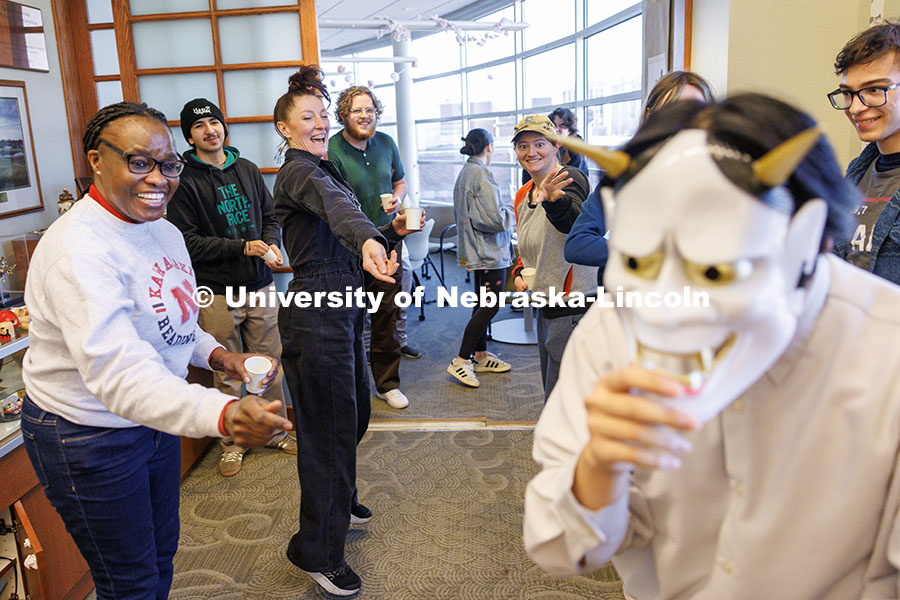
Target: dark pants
{"x":552,"y":337}
{"x":475,"y":335}
{"x":117,"y":492}
{"x":385,"y":347}
{"x":325,"y":368}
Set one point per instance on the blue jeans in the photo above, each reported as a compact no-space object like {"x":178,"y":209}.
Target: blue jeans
{"x":117,"y":492}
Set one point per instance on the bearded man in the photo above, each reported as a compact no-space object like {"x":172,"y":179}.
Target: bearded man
{"x":370,"y":162}
{"x":747,"y":448}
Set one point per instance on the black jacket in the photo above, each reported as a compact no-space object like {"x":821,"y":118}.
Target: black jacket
{"x":324,"y":227}
{"x":218,"y":210}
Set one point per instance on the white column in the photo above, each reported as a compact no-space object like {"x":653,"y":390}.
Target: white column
{"x":406,"y":122}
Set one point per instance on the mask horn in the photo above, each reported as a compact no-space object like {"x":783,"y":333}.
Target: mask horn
{"x":614,"y":162}
{"x":779,"y":163}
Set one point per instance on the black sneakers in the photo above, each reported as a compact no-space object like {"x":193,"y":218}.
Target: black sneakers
{"x":360,"y":514}
{"x":341,"y":582}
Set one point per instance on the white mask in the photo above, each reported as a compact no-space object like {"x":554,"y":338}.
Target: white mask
{"x":681,"y":222}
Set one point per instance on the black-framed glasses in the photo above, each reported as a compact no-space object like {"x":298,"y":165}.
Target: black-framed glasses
{"x":873,"y":96}
{"x":141,"y":165}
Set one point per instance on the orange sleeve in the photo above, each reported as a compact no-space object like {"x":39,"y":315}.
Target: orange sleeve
{"x":520,"y":195}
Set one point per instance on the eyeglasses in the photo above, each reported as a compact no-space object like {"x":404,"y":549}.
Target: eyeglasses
{"x":871,"y":96}
{"x":358,"y":111}
{"x":141,"y":165}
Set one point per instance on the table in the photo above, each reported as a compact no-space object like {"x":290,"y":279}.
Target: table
{"x":515,"y":330}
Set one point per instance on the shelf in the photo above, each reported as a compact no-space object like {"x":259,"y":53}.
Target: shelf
{"x":13,"y":347}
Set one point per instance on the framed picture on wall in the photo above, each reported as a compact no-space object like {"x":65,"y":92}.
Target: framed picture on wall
{"x":20,"y":186}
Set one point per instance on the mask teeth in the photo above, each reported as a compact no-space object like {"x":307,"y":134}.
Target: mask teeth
{"x":707,"y":356}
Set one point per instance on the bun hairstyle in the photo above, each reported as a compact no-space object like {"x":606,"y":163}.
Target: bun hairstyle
{"x":106,"y":115}
{"x":476,"y":141}
{"x":307,"y":81}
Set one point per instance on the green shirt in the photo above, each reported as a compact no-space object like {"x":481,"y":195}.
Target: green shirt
{"x":370,"y":172}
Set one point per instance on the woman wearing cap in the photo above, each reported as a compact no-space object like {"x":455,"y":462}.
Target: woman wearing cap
{"x":113,"y":330}
{"x":484,"y":229}
{"x":546,"y":207}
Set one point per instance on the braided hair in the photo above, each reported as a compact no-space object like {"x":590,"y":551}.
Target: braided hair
{"x":106,"y":115}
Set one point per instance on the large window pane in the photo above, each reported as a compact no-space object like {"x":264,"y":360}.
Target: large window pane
{"x":492,"y":89}
{"x":612,"y":125}
{"x":257,"y":142}
{"x":549,"y":19}
{"x":99,"y":11}
{"x":260,"y":38}
{"x":439,"y":142}
{"x":496,"y":48}
{"x":437,"y":53}
{"x":186,"y":43}
{"x":108,"y":92}
{"x":614,"y":59}
{"x":438,"y":98}
{"x":254,"y":93}
{"x":150,"y":7}
{"x":550,"y":77}
{"x":376,"y":72}
{"x":597,"y":10}
{"x":169,"y":93}
{"x":103,"y":47}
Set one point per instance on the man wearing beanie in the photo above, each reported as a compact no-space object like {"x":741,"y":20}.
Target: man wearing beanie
{"x":224,"y":210}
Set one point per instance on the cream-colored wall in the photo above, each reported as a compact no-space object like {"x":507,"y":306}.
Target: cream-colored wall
{"x":786,"y":49}
{"x":50,"y":130}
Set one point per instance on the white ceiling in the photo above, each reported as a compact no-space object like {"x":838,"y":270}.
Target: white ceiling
{"x":333,"y":41}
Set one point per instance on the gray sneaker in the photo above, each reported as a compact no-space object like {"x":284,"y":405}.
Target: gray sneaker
{"x":286,"y":443}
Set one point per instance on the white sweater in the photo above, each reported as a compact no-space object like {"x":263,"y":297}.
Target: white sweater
{"x":114,"y":326}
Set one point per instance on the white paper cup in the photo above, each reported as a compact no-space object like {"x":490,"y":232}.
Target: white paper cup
{"x":528,"y":274}
{"x":257,"y":367}
{"x":386,"y":200}
{"x":270,"y":256}
{"x":413,"y":217}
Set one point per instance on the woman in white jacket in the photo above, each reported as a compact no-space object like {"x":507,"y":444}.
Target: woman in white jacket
{"x":484,"y":226}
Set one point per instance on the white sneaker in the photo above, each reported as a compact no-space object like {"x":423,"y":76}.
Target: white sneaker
{"x":462,"y":370}
{"x":395,"y":398}
{"x":491,"y":363}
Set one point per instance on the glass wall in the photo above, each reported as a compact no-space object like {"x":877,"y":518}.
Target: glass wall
{"x":581,"y":54}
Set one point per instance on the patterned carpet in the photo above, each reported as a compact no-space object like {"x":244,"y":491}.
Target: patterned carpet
{"x":447,"y":525}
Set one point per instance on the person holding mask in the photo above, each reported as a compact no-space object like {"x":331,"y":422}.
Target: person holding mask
{"x":330,"y":242}
{"x":113,"y":330}
{"x":545,"y":209}
{"x":484,"y":225}
{"x":586,"y":243}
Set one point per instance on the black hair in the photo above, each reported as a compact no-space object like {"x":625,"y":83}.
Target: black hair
{"x":744,"y":128}
{"x":567,"y":117}
{"x":476,"y":141}
{"x":669,"y":87}
{"x":106,"y":115}
{"x":307,"y":81}
{"x":868,"y":45}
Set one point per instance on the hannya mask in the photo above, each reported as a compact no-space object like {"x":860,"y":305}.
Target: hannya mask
{"x":680,"y":221}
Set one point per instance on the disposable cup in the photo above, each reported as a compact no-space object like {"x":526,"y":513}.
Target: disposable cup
{"x":269,"y":256}
{"x":386,"y":200}
{"x":413,"y":217}
{"x":528,"y":274}
{"x":257,"y":367}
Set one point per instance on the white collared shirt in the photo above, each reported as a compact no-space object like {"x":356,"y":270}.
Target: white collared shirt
{"x":791,"y":492}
